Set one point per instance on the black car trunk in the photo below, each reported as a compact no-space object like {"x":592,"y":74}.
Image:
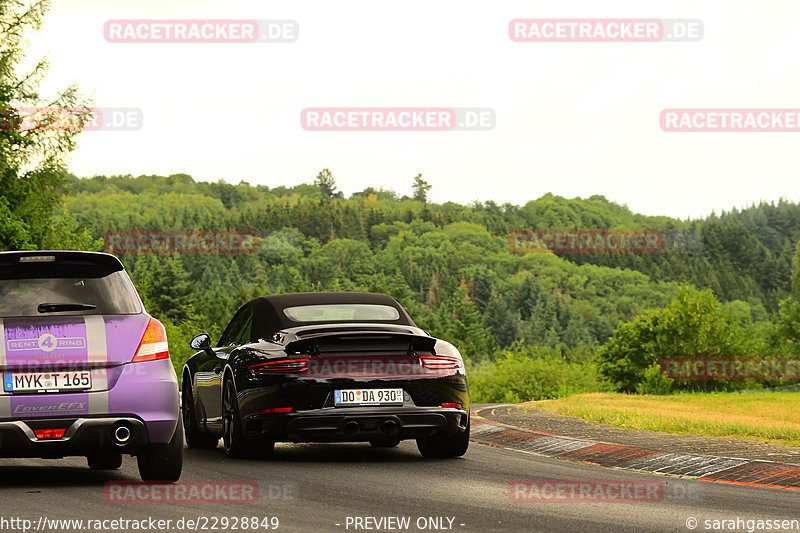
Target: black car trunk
{"x":359,"y":355}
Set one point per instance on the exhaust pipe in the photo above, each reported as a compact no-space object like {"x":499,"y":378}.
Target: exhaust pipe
{"x":351,"y":428}
{"x":122,"y":435}
{"x":389,"y":426}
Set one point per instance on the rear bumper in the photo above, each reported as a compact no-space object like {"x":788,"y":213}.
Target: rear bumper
{"x":356,"y":424}
{"x":145,"y":391}
{"x":83,"y":436}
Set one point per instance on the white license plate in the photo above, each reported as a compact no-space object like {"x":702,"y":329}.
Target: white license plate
{"x":47,"y":381}
{"x":368,"y":397}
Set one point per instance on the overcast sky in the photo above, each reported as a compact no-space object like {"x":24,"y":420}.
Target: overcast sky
{"x":575,"y":119}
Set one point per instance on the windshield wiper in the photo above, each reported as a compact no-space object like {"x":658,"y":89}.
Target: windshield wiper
{"x":55,"y":308}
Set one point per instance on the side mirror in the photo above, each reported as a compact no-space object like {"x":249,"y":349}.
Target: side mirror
{"x":201,"y":342}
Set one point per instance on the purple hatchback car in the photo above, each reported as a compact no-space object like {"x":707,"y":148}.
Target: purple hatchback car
{"x":86,"y":371}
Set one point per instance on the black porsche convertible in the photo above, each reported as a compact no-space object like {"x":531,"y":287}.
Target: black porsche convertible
{"x":325,"y":367}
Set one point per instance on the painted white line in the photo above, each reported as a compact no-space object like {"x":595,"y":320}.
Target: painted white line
{"x":661,"y":463}
{"x":97,"y":350}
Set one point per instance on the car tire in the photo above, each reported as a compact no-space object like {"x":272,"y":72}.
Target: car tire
{"x":104,"y":460}
{"x":444,"y":444}
{"x":163,"y":462}
{"x":194,"y":437}
{"x":234,"y":441}
{"x":384,"y":443}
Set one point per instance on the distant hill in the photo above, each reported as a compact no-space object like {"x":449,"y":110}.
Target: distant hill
{"x":450,"y":263}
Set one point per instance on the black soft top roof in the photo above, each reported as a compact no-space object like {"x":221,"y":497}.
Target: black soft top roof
{"x":269,"y":316}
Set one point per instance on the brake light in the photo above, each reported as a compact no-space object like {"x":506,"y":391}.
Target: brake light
{"x":270,"y":410}
{"x":284,"y":366}
{"x":49,"y":433}
{"x":440,"y":362}
{"x":153,"y":345}
{"x":451,"y":405}
{"x":38,"y":259}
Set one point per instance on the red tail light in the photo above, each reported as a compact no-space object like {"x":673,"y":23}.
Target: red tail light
{"x":153,"y":344}
{"x":49,"y":433}
{"x":284,"y":366}
{"x":440,"y":362}
{"x":277,"y":410}
{"x":451,"y":405}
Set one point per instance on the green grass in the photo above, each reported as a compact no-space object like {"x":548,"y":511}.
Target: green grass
{"x":772,"y":417}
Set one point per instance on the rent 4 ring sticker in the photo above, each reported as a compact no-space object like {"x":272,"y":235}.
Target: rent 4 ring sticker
{"x":46,"y":342}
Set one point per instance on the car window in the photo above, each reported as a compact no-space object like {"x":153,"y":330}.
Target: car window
{"x":244,"y":336}
{"x":236,"y":328}
{"x":108,"y":294}
{"x":338,"y":312}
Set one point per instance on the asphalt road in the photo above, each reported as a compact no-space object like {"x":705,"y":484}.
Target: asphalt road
{"x":317,"y":487}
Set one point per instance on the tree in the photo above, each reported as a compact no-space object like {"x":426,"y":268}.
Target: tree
{"x":501,"y":321}
{"x":170,"y":290}
{"x":327,"y":185}
{"x":693,"y":325}
{"x":421,"y":188}
{"x":786,"y":335}
{"x":345,"y":260}
{"x":34,"y":141}
{"x":796,"y":274}
{"x":460,"y":323}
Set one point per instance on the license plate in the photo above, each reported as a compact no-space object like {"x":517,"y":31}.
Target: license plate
{"x":47,"y":381}
{"x":368,"y":397}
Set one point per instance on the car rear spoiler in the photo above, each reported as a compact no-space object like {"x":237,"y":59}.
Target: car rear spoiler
{"x":57,"y":264}
{"x":327,"y":339}
{"x":60,"y":258}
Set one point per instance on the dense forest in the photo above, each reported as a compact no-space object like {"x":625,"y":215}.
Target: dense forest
{"x":531,"y":324}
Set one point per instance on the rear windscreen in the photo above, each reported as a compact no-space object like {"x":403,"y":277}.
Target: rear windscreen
{"x":94,"y":293}
{"x":335,"y":312}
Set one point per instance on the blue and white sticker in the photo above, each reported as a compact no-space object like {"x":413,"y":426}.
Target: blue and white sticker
{"x":47,"y":342}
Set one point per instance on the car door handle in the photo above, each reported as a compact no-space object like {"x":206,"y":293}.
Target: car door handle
{"x":218,"y":369}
